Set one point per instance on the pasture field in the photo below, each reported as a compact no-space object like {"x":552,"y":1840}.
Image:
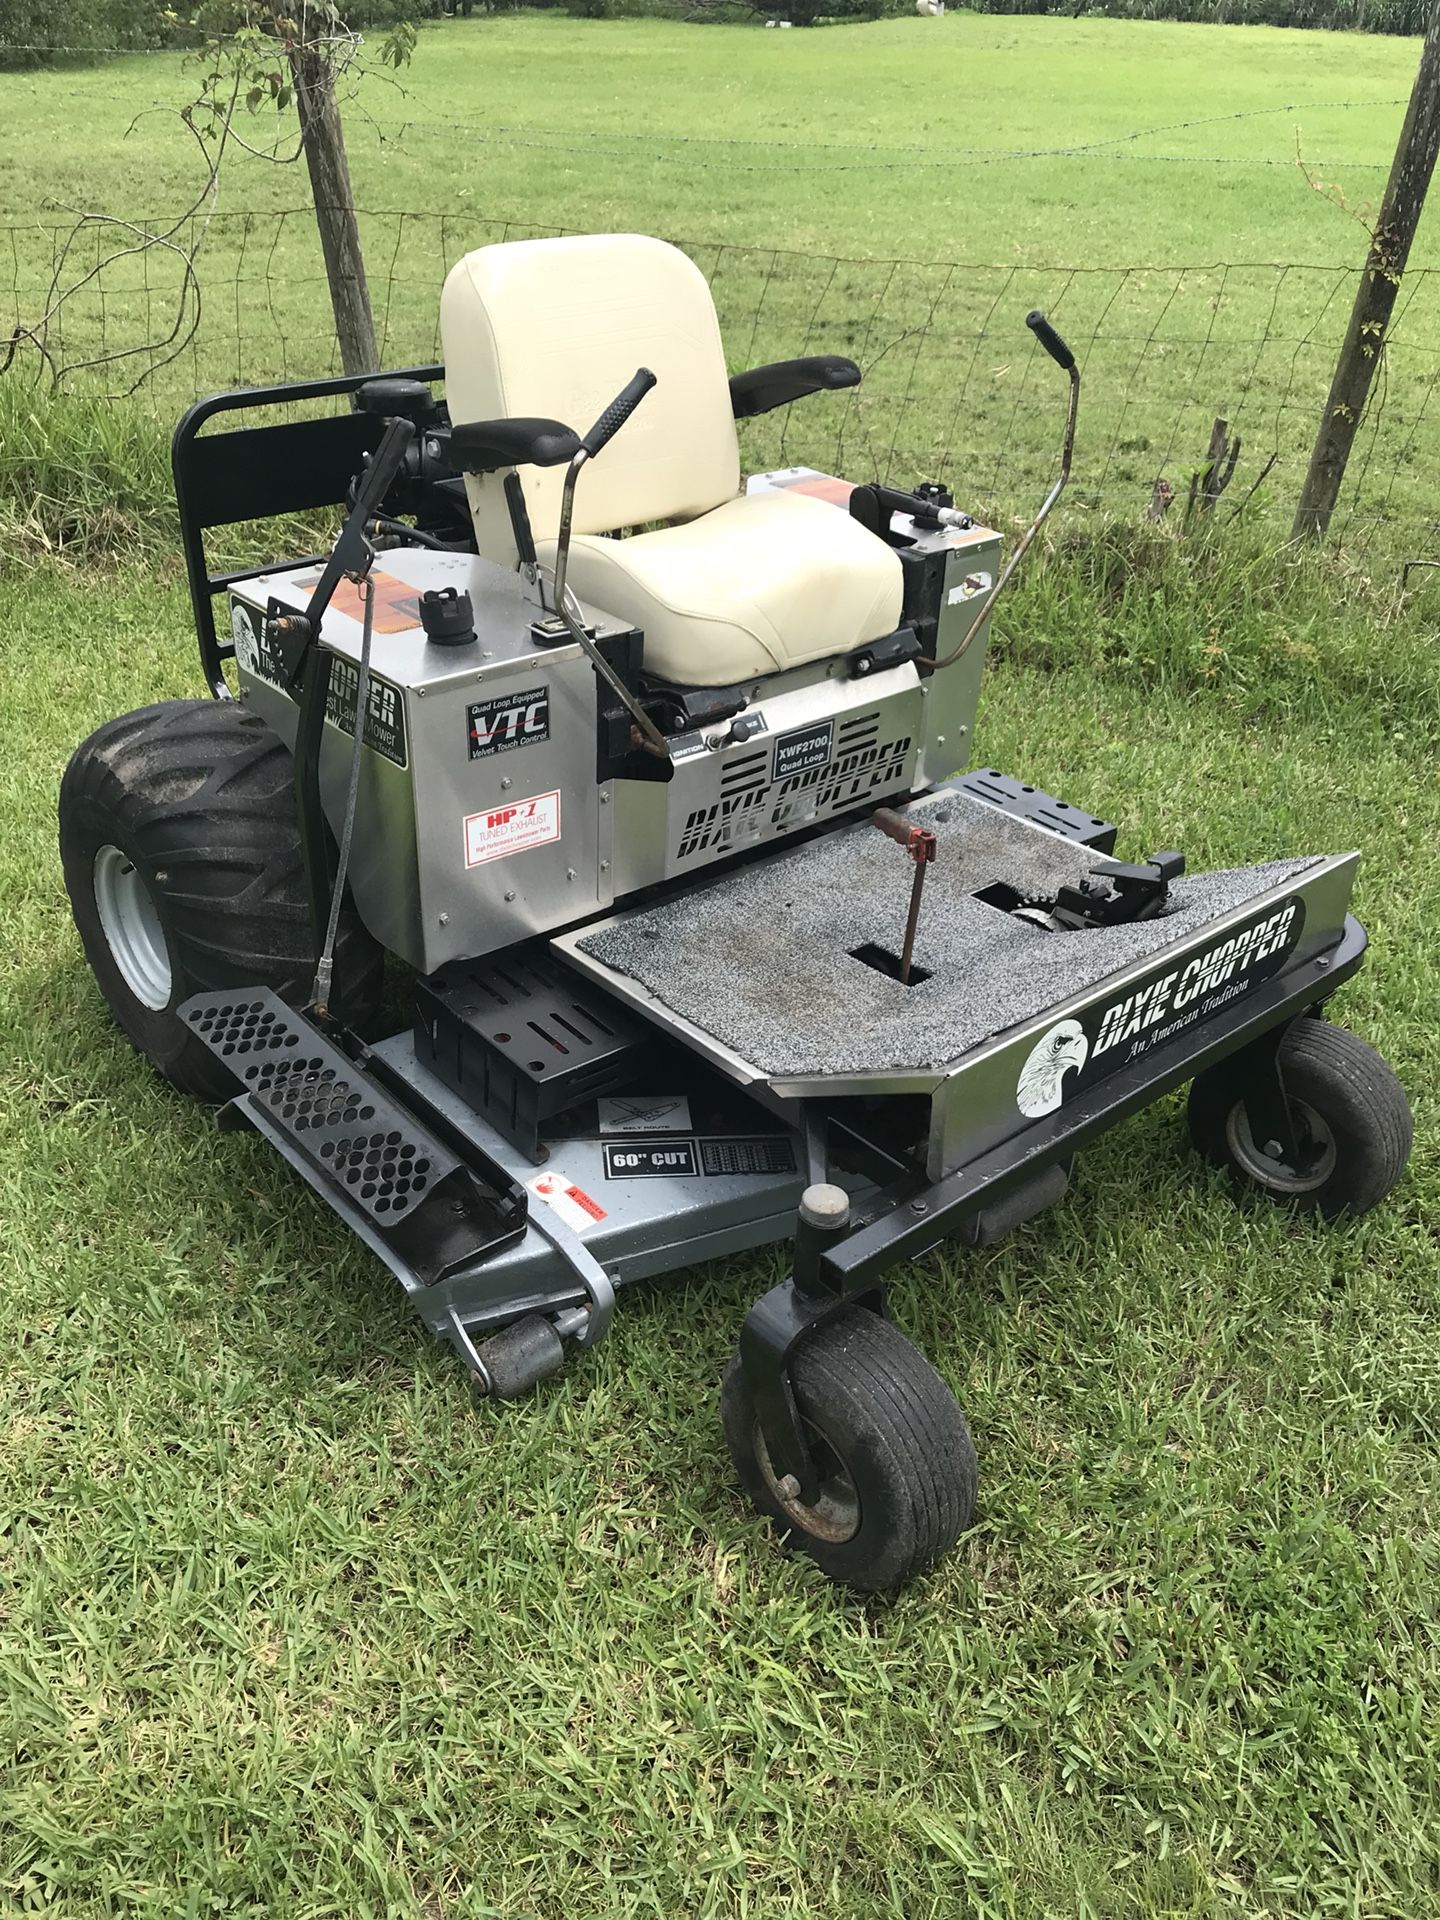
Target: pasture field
{"x":289,"y":1625}
{"x":1143,"y":183}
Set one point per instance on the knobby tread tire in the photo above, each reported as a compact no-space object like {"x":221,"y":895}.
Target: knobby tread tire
{"x":199,"y":795}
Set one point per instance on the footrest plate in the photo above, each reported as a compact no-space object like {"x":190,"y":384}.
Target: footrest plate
{"x":353,"y":1143}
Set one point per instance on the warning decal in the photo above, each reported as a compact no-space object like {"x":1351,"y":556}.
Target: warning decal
{"x":516,"y":827}
{"x":571,"y":1203}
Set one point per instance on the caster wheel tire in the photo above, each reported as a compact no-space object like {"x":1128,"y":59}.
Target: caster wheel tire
{"x":1353,"y":1109}
{"x":181,"y":852}
{"x":896,"y":1460}
{"x":519,"y":1357}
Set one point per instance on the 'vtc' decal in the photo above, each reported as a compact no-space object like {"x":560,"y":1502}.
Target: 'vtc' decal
{"x":508,"y":720}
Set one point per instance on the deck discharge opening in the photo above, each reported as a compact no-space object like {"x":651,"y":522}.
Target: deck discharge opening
{"x":871,"y":954}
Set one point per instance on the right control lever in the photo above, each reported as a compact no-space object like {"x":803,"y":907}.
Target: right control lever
{"x":1064,"y":358}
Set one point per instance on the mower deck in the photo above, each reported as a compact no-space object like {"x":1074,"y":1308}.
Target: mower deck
{"x":769,"y":961}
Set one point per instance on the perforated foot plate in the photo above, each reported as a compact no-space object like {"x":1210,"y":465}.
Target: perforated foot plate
{"x":354,"y":1144}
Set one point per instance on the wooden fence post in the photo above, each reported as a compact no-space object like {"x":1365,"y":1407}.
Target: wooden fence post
{"x":1375,"y":299}
{"x":324,"y":141}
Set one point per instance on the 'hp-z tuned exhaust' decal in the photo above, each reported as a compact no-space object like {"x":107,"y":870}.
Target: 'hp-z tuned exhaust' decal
{"x":1076,"y":1052}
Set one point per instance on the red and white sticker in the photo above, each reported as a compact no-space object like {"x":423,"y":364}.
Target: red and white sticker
{"x":514,"y":828}
{"x":574,"y":1206}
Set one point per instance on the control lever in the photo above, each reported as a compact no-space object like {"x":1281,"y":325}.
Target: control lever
{"x":872,"y":505}
{"x":920,"y":844}
{"x":592,"y":443}
{"x":1064,"y":358}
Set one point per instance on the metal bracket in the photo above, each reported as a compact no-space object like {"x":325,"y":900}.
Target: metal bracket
{"x":599,"y":1287}
{"x":773,"y":1329}
{"x":1272,"y":1118}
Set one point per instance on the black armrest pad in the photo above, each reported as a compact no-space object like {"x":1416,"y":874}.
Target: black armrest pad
{"x":775,"y":386}
{"x":483,"y":446}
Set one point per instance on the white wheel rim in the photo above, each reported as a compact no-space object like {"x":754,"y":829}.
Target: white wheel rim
{"x":130,"y":922}
{"x":1271,"y":1171}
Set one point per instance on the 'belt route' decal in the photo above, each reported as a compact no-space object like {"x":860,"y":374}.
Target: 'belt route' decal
{"x":1078,"y":1051}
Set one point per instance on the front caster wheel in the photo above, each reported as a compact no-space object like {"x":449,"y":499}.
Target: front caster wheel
{"x":1350,"y":1110}
{"x":896,"y":1461}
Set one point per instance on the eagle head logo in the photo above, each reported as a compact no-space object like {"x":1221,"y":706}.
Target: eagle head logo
{"x":1042,"y":1077}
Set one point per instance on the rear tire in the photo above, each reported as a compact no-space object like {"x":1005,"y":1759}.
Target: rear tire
{"x":181,"y":851}
{"x":1352,"y":1107}
{"x":897,"y":1464}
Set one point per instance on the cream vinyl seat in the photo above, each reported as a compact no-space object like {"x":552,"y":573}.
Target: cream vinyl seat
{"x":735,"y":585}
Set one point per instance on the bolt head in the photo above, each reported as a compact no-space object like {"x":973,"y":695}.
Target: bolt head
{"x":788,"y":1487}
{"x":444,"y":919}
{"x":510,"y":897}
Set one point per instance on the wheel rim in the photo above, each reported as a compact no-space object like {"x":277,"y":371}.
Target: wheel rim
{"x":835,"y":1516}
{"x":1271,"y":1170}
{"x":130,"y":922}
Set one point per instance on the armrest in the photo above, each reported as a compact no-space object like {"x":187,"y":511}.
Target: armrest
{"x":785,"y":380}
{"x":484,"y":446}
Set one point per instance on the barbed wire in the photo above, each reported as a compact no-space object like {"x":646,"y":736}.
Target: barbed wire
{"x":561,"y":140}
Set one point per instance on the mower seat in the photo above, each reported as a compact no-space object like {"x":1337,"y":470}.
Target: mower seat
{"x":734,"y":586}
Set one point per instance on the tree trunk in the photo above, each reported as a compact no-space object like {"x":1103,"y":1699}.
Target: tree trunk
{"x":1375,"y":299}
{"x":324,"y":140}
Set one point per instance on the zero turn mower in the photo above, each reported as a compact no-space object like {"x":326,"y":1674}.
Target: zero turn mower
{"x":653,"y":783}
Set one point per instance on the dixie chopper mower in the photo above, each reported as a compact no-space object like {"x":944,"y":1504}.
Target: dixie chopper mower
{"x":653,"y":789}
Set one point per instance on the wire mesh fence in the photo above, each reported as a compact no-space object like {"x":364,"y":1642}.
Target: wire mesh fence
{"x":953,"y":387}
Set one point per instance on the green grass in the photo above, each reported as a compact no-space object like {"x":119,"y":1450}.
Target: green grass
{"x":775,"y":156}
{"x":291,"y":1626}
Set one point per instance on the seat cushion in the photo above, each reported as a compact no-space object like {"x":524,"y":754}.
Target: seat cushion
{"x":556,"y":328}
{"x":765,"y":582}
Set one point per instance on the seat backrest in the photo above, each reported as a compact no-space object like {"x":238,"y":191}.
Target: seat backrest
{"x":555,"y":328}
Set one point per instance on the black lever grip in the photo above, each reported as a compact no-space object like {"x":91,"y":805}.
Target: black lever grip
{"x":618,"y":412}
{"x":1050,"y":340}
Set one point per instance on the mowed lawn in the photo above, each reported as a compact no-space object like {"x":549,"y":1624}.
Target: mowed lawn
{"x":1142,"y":181}
{"x":290,"y":1625}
